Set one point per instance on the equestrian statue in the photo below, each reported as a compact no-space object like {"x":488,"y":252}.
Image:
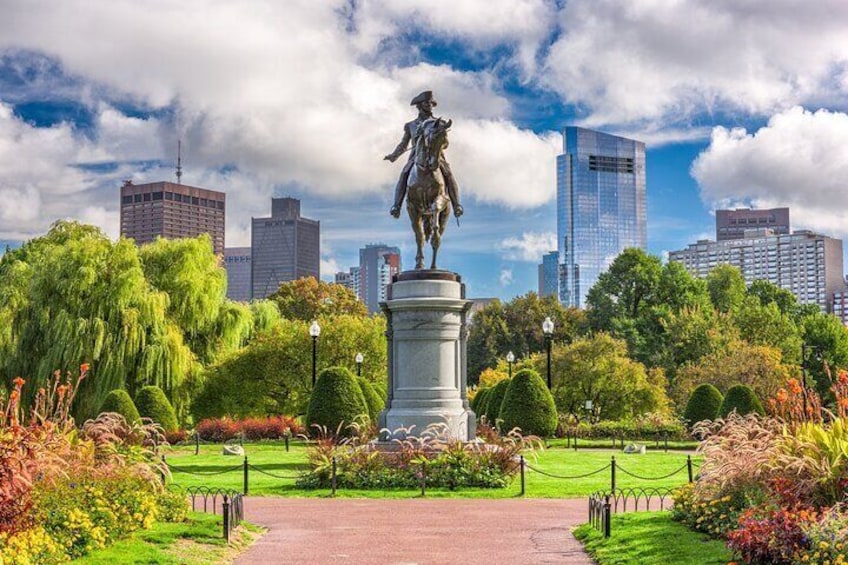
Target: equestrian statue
{"x":426,"y":179}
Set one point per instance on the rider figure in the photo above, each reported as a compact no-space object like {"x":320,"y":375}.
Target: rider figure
{"x":425,"y":103}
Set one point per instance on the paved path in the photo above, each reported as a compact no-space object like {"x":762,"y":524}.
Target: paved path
{"x":415,"y":531}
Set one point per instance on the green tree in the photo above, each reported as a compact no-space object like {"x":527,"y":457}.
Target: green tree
{"x":336,"y":401}
{"x":308,"y":299}
{"x":119,"y":401}
{"x":743,"y":400}
{"x":767,"y":292}
{"x":528,"y":405}
{"x":625,"y":290}
{"x":704,"y":404}
{"x":767,"y":325}
{"x":152,"y":403}
{"x":726,"y":286}
{"x":829,"y":337}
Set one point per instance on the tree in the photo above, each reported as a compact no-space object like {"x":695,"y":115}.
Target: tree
{"x":625,"y":290}
{"x":597,"y":368}
{"x":308,"y":299}
{"x":337,"y":401}
{"x":829,"y":337}
{"x":152,"y":403}
{"x":528,"y":405}
{"x":767,"y":293}
{"x":726,"y":286}
{"x":741,"y":399}
{"x":704,"y":404}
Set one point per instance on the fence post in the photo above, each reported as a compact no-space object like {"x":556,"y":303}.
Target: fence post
{"x":522,"y":475}
{"x":666,"y":441}
{"x":607,"y":521}
{"x":333,"y":477}
{"x":575,"y":440}
{"x":226,"y":509}
{"x":245,"y":474}
{"x":286,"y":437}
{"x":196,"y":442}
{"x":423,"y":478}
{"x":689,"y":466}
{"x":612,"y":474}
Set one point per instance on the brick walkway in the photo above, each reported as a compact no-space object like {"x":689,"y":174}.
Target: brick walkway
{"x":415,"y":531}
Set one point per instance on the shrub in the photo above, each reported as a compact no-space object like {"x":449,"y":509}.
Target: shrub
{"x":481,"y":399}
{"x":273,"y":427}
{"x":704,"y":404}
{"x":152,"y":403}
{"x":372,"y":399}
{"x":176,"y":436}
{"x":336,"y":401}
{"x":772,"y":534}
{"x":715,"y":517}
{"x":648,"y":427}
{"x":494,"y":402}
{"x":742,"y":399}
{"x":119,"y":401}
{"x":529,"y":405}
{"x":217,"y":429}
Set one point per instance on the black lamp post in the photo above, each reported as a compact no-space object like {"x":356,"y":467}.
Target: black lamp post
{"x":510,"y":359}
{"x":548,"y":330}
{"x":359,"y":359}
{"x":314,"y":331}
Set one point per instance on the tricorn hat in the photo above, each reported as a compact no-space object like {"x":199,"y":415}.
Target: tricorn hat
{"x":426,"y":95}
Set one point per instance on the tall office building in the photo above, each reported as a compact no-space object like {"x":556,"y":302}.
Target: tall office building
{"x":284,"y":247}
{"x":377,"y":264}
{"x":600,"y":206}
{"x":732,"y":224}
{"x":549,"y":274}
{"x":349,"y":280}
{"x":807,"y":264}
{"x":173,"y":211}
{"x":237,"y":262}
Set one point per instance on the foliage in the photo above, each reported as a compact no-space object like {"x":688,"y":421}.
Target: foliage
{"x":816,"y":456}
{"x":625,"y":290}
{"x":495,"y":401}
{"x":597,"y":368}
{"x":273,"y":373}
{"x":152,"y":403}
{"x":224,"y":429}
{"x":336,"y":401}
{"x":772,"y":535}
{"x":741,"y":399}
{"x":704,"y":404}
{"x":826,"y":333}
{"x":482,"y":402}
{"x":491,"y":376}
{"x":119,"y":401}
{"x":528,"y":405}
{"x":372,"y":399}
{"x":715,"y":517}
{"x":647,"y":427}
{"x":767,"y":325}
{"x":726,"y":286}
{"x":308,"y":299}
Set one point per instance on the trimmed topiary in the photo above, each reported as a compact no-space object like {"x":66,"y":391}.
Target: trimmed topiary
{"x":493,"y":405}
{"x":152,"y":403}
{"x":476,"y":400}
{"x":119,"y":401}
{"x":742,"y":399}
{"x":704,"y":404}
{"x":528,"y":405}
{"x":482,"y":399}
{"x":337,"y":399}
{"x":372,"y":399}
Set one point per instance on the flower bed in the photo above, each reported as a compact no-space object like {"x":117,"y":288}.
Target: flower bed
{"x":225,"y":429}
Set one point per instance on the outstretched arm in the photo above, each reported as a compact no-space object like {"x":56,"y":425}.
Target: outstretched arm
{"x":404,"y":143}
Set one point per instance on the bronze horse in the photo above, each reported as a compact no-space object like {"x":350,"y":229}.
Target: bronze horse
{"x":427,"y":202}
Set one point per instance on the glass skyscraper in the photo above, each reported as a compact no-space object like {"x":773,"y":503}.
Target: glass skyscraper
{"x":600,"y":206}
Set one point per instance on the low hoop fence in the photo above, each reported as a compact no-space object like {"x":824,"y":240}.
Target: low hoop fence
{"x":230,"y":502}
{"x":245,"y":467}
{"x":603,"y":504}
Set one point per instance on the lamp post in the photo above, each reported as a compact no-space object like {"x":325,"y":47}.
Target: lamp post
{"x":510,"y":359}
{"x":589,"y":406}
{"x":548,"y":330}
{"x":359,"y":359}
{"x":314,"y":331}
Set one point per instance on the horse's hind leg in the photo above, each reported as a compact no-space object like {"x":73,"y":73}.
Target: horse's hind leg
{"x":441,"y":222}
{"x":418,"y":227}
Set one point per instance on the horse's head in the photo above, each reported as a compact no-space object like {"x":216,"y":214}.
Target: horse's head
{"x":434,"y":141}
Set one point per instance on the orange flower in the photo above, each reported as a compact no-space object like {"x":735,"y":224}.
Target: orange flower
{"x":843,"y":377}
{"x":843,"y":402}
{"x":794,"y":387}
{"x":62,"y":390}
{"x":84,"y":367}
{"x":782,"y":396}
{"x":19,"y":382}
{"x":14,"y":395}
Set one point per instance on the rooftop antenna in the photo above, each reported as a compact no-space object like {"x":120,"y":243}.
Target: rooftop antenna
{"x":179,"y":161}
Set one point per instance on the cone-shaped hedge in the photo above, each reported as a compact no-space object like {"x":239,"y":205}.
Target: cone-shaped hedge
{"x":482,"y":399}
{"x":742,"y":399}
{"x":476,"y":400}
{"x":493,"y":404}
{"x":529,"y":405}
{"x":372,"y":399}
{"x":704,"y":404}
{"x":336,"y":399}
{"x":119,"y":401}
{"x":152,"y":403}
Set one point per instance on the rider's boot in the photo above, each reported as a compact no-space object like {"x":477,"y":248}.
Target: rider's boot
{"x":454,"y":198}
{"x":400,"y":192}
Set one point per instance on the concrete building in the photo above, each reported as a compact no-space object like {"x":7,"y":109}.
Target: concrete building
{"x":732,"y":224}
{"x":840,"y":306}
{"x":238,"y":265}
{"x":284,"y":247}
{"x":549,"y":274}
{"x":807,"y":264}
{"x":173,"y":211}
{"x":349,"y":280}
{"x":601,"y":209}
{"x":378,"y":263}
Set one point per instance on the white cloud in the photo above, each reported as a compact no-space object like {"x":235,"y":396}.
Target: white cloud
{"x":329,"y":268}
{"x":797,"y":160}
{"x":505,"y":277}
{"x":644,"y":62}
{"x":529,"y":247}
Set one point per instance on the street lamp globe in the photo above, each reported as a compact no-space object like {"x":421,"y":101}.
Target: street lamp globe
{"x":510,"y":357}
{"x":360,"y":358}
{"x":548,"y":326}
{"x":314,"y":329}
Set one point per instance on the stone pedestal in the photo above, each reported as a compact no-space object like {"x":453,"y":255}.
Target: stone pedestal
{"x":426,"y":313}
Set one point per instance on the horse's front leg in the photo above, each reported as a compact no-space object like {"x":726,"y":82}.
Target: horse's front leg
{"x":441,"y":220}
{"x":418,"y":228}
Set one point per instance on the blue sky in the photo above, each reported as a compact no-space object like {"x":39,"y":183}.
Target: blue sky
{"x":739,"y":103}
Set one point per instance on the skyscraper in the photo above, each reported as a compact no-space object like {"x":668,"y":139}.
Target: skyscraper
{"x":237,"y":262}
{"x":165,"y":209}
{"x":284,"y":247}
{"x":549,"y":274}
{"x":600,"y":206}
{"x":377,"y":264}
{"x":731,"y":224}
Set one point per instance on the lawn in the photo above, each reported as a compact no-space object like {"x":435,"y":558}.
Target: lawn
{"x":651,"y":538}
{"x":196,"y":541}
{"x":271,"y":457}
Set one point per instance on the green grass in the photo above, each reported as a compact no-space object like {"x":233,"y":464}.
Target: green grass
{"x":271,"y":457}
{"x":196,"y":541}
{"x":607,"y":443}
{"x":651,"y":538}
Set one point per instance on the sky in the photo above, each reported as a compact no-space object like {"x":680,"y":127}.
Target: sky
{"x":740,"y":103}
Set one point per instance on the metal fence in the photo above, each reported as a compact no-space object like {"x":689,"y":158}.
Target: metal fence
{"x":229,"y":501}
{"x":603,"y":504}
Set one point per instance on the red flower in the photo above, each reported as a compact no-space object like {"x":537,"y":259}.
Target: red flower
{"x":18,"y":382}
